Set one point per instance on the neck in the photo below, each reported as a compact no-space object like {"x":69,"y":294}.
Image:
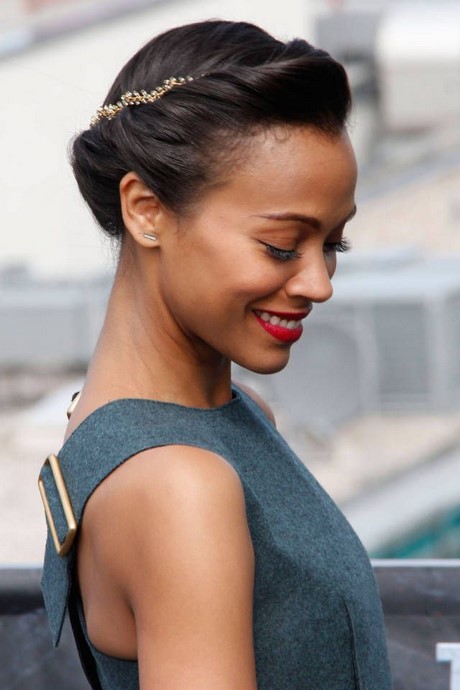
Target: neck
{"x":141,"y":353}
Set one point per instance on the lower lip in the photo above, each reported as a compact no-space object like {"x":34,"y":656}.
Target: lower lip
{"x":286,"y":335}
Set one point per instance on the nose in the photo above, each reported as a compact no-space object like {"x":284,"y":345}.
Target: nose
{"x":312,"y":279}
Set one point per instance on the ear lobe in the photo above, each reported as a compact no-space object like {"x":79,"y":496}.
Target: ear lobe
{"x":140,"y":209}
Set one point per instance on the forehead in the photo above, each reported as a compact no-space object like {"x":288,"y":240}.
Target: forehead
{"x":292,"y":169}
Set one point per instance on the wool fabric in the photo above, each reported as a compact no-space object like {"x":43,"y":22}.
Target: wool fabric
{"x":318,"y":622}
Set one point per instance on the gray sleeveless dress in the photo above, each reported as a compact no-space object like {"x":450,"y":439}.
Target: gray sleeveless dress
{"x":318,"y":621}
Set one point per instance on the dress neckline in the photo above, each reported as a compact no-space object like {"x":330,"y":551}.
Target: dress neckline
{"x":103,"y":409}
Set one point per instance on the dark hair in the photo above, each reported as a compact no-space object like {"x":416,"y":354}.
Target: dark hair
{"x":176,"y":145}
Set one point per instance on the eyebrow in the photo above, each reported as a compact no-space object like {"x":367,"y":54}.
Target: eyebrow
{"x":309,"y":220}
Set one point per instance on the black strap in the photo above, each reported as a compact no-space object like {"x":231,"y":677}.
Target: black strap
{"x":87,"y":659}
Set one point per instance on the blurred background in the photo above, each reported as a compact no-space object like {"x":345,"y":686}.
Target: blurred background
{"x":371,"y":398}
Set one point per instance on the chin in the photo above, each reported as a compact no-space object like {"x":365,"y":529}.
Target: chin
{"x":264,"y":367}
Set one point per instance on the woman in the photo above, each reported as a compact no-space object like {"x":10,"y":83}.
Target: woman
{"x":208,"y":557}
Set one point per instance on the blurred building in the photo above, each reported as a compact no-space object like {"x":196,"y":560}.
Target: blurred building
{"x":407,"y":54}
{"x":49,"y":324}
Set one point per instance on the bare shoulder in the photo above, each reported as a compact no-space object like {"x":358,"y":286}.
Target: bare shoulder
{"x":176,"y":468}
{"x":264,"y":406}
{"x":165,"y":484}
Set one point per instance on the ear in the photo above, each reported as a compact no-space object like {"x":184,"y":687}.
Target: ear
{"x":143,"y":214}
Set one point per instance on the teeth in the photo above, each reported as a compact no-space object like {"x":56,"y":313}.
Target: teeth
{"x":276,"y":321}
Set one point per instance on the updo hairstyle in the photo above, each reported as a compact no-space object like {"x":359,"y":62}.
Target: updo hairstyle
{"x":244,"y":81}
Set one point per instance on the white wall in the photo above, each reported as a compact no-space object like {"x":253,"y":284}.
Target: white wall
{"x":51,"y":92}
{"x":418,"y":61}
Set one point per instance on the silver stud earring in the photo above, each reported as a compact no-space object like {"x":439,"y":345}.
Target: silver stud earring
{"x":148,"y":236}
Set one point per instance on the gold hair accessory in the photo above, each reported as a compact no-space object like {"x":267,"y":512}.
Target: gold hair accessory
{"x":137,"y":98}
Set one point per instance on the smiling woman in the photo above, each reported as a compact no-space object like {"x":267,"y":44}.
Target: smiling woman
{"x":220,"y":160}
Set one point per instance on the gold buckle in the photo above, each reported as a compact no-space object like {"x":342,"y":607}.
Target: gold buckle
{"x":64,"y":548}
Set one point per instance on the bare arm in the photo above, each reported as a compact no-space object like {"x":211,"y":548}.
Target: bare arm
{"x":186,"y":568}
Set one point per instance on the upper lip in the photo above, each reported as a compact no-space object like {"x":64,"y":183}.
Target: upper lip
{"x":289,"y":316}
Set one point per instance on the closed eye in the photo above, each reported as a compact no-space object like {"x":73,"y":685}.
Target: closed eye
{"x":342,"y":246}
{"x":282,"y":254}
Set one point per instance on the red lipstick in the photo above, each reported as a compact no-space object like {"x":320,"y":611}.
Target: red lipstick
{"x":286,"y":327}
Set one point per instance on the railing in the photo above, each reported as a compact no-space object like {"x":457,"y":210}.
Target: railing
{"x":421,"y":601}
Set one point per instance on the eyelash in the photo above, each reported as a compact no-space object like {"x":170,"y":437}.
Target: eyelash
{"x":291,"y":254}
{"x":282,"y":254}
{"x":341,"y":247}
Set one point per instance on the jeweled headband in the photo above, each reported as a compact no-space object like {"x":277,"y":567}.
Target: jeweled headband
{"x":137,"y":98}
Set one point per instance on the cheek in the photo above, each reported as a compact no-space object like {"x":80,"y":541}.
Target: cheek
{"x":255,"y":281}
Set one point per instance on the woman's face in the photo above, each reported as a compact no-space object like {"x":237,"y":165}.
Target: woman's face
{"x":243,"y":271}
